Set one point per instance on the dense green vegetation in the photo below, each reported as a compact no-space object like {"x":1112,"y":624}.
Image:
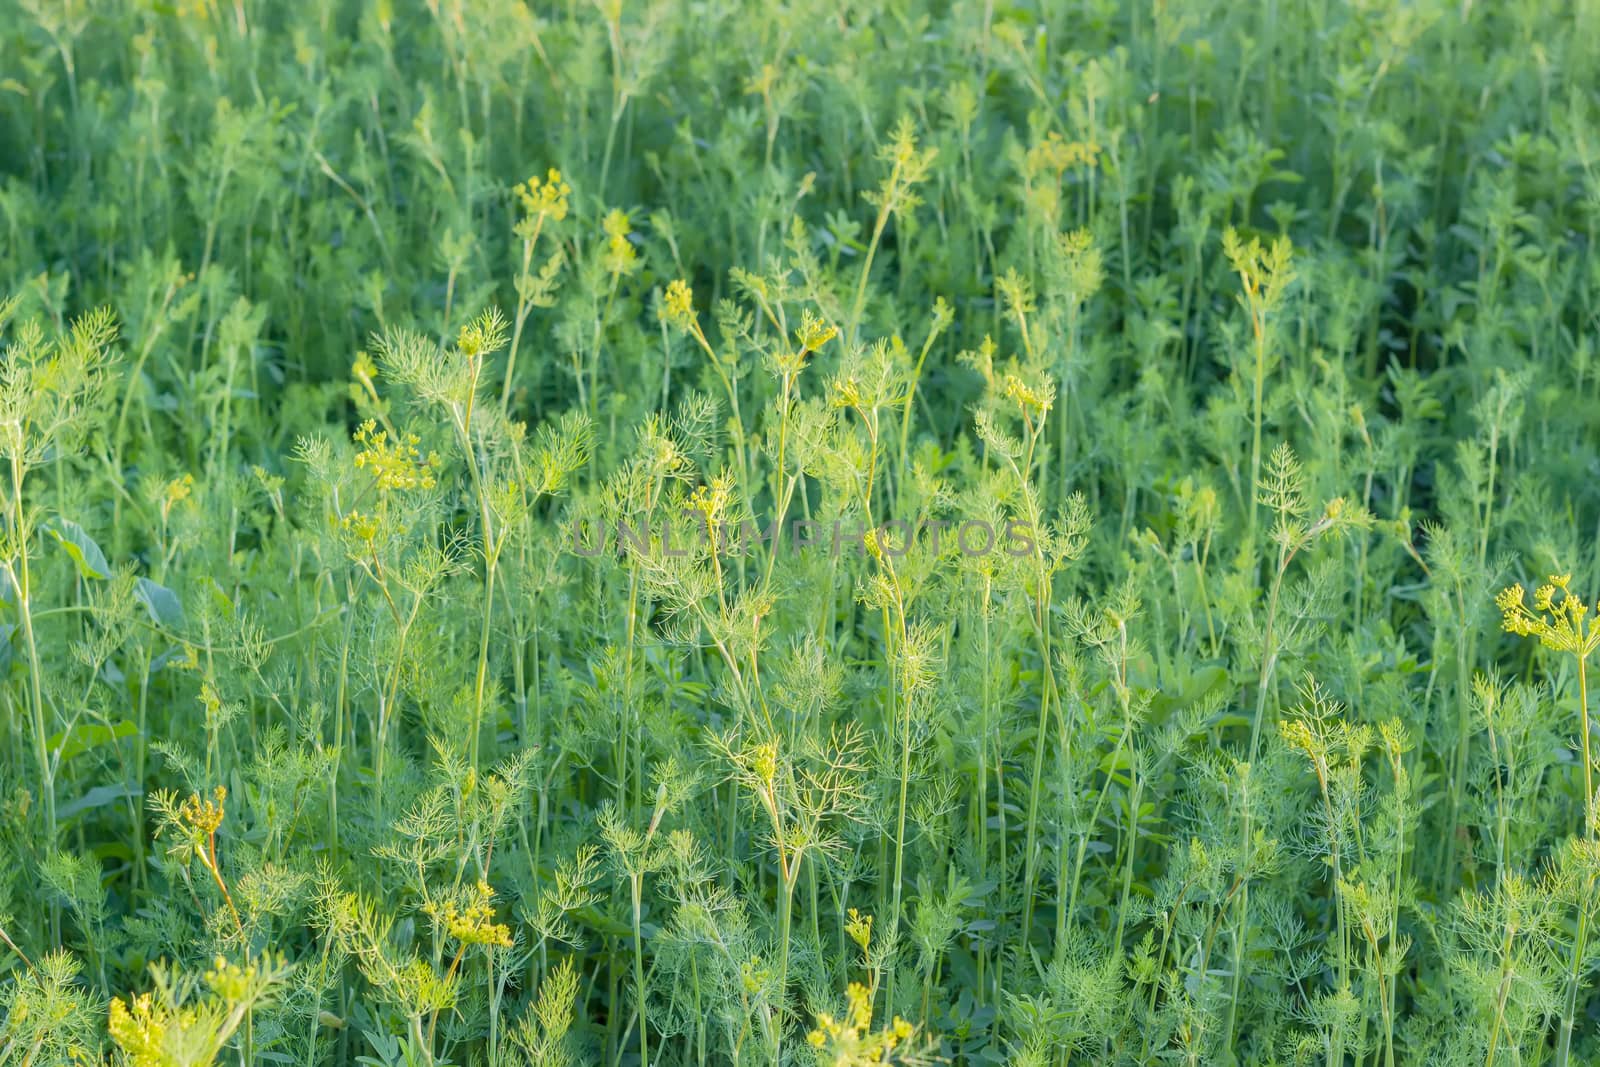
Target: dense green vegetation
{"x":396,"y":398}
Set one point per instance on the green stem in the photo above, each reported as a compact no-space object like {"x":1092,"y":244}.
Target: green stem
{"x":1575,"y":970}
{"x":638,"y":968}
{"x":22,"y":579}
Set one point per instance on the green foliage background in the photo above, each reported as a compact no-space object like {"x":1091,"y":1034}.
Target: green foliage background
{"x":324,"y":743}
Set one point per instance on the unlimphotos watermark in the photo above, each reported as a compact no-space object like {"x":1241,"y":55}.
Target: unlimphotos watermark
{"x":893,"y":538}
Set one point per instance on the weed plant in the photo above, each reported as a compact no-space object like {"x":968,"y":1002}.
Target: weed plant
{"x":413,"y":414}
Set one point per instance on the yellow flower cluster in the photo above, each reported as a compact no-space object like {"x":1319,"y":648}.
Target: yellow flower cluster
{"x":175,"y":492}
{"x":139,"y":1030}
{"x":764,"y":762}
{"x":230,"y":981}
{"x":1056,"y":156}
{"x":362,"y":526}
{"x":711,"y":501}
{"x":204,"y":816}
{"x":1557,"y":617}
{"x":754,"y":975}
{"x":846,"y":392}
{"x":144,"y":1029}
{"x":814,"y":332}
{"x":873,"y":542}
{"x":1032,"y":401}
{"x":475,"y":925}
{"x":620,"y":257}
{"x":1297,"y":735}
{"x":365,"y":373}
{"x":850,"y":1037}
{"x":548,"y":196}
{"x":859,"y":929}
{"x":678,"y":305}
{"x":395,"y":464}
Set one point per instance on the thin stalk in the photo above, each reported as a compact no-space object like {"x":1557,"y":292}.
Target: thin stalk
{"x":637,"y":887}
{"x":22,"y":581}
{"x":866,"y":264}
{"x":1575,"y":969}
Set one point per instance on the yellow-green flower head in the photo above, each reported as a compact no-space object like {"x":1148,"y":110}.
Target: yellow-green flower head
{"x":814,"y":332}
{"x":754,"y":974}
{"x":230,"y":981}
{"x":138,"y":1030}
{"x":765,"y":762}
{"x":395,"y":465}
{"x":712,"y":500}
{"x":846,"y":392}
{"x":1032,"y":401}
{"x":549,"y":197}
{"x":1055,"y":156}
{"x":475,"y":924}
{"x":205,"y":815}
{"x":361,"y":526}
{"x":859,"y":928}
{"x":471,"y":341}
{"x":620,"y":257}
{"x":850,"y":1039}
{"x":616,"y":223}
{"x":1556,"y":619}
{"x":678,"y":305}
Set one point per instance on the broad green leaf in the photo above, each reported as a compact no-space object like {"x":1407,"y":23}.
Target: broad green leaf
{"x":162,"y":603}
{"x":98,"y":797}
{"x":90,"y":735}
{"x":81,"y":547}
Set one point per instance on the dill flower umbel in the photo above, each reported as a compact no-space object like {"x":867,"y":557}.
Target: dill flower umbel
{"x":859,"y":928}
{"x":1055,"y":155}
{"x":711,"y":501}
{"x":397,"y":464}
{"x":846,"y":392}
{"x":138,"y":1030}
{"x":204,"y":816}
{"x":620,"y":256}
{"x":547,"y":197}
{"x":1556,"y":619}
{"x":230,"y":981}
{"x":678,"y":305}
{"x":1032,"y":401}
{"x":814,"y":332}
{"x":849,"y":1040}
{"x":174,"y":492}
{"x":361,"y":526}
{"x":475,"y":924}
